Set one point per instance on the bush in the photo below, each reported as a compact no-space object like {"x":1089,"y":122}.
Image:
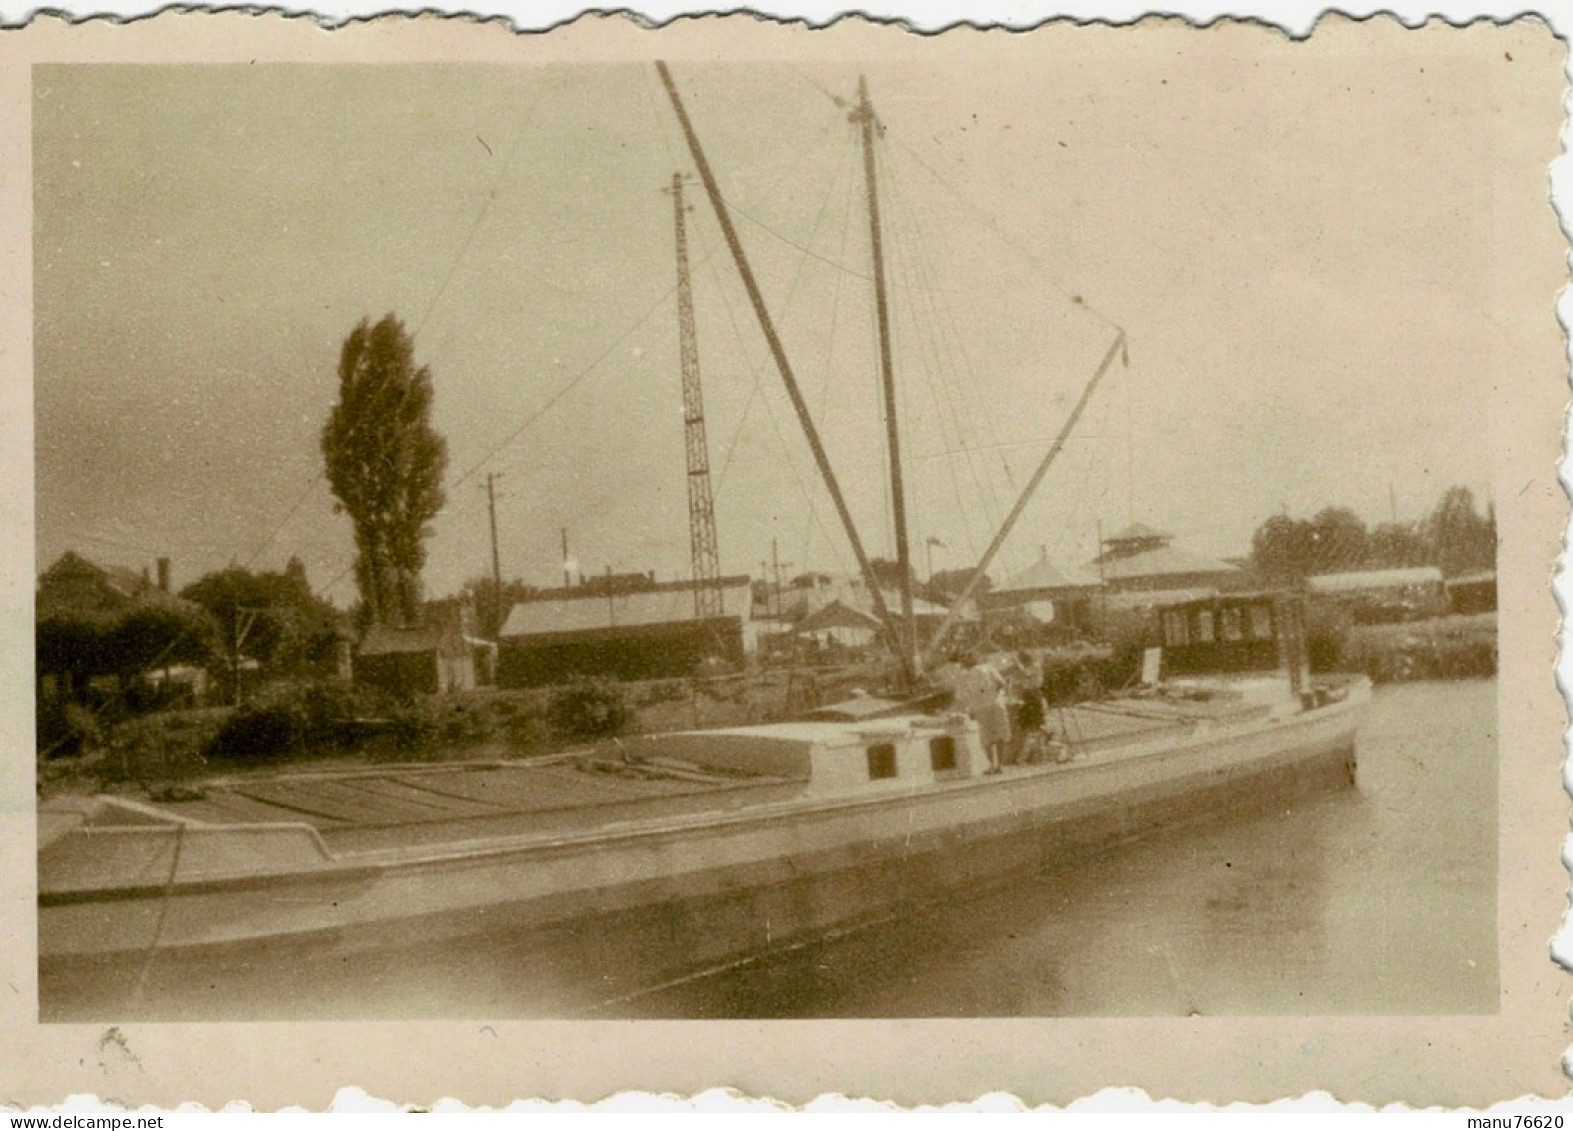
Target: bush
{"x":1437,"y":650}
{"x":329,"y":711}
{"x":464,"y":723}
{"x":289,"y":719}
{"x":262,"y":730}
{"x":665,"y":691}
{"x":587,"y":709}
{"x":65,"y":729}
{"x":165,"y":747}
{"x":413,"y":728}
{"x":527,"y":731}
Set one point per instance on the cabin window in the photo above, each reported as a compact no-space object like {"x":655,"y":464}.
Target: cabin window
{"x":942,"y":753}
{"x":1231,"y":624}
{"x":1174,"y":630}
{"x":1204,"y":627}
{"x":881,"y":761}
{"x":1261,"y":622}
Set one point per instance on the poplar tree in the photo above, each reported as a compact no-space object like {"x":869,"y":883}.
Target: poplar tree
{"x":385,"y":464}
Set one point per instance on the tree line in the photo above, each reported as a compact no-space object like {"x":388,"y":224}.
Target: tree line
{"x":271,"y":617}
{"x":1456,"y":537}
{"x":384,"y":463}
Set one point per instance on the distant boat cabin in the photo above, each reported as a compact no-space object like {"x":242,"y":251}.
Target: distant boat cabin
{"x":1236,"y":632}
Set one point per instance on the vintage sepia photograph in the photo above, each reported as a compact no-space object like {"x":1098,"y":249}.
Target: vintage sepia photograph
{"x":842,"y":528}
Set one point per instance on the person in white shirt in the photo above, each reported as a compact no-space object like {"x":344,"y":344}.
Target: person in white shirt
{"x":982,"y":695}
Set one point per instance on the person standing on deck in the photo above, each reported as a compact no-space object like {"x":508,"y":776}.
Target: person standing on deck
{"x":982,"y":695}
{"x":1031,"y":711}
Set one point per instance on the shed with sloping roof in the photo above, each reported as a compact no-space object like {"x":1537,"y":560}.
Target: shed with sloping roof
{"x":649,"y":631}
{"x":406,"y":662}
{"x":842,"y":623}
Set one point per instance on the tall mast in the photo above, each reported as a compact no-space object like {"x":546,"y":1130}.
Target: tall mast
{"x":783,"y":366}
{"x":701,"y":506}
{"x":862,"y":116}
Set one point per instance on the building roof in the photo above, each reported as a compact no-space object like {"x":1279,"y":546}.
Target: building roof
{"x":920,"y":607}
{"x":838,"y":614}
{"x":1374,"y":579}
{"x":1138,"y":532}
{"x":1474,"y":577}
{"x":573,"y":610}
{"x":60,"y":588}
{"x":1044,"y":575}
{"x":1161,"y":561}
{"x":382,"y":640}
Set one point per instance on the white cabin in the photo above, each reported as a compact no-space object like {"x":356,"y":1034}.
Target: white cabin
{"x":834,"y":757}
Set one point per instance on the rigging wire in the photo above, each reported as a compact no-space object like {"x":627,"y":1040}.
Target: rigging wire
{"x":469,"y":239}
{"x":464,"y":248}
{"x":119,"y":545}
{"x":835,"y":313}
{"x":866,"y":276}
{"x":950,"y":332}
{"x":568,"y":387}
{"x":930,"y":364}
{"x":946,"y":398}
{"x":1004,"y":237}
{"x":839,"y":102}
{"x":321,"y":474}
{"x":480,"y":216}
{"x":759,"y":369}
{"x":786,"y":449}
{"x":299,"y":502}
{"x":946,"y":417}
{"x":947,"y":337}
{"x":806,"y":252}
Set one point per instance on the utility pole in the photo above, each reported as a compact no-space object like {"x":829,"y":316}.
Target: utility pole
{"x":863,"y":117}
{"x":245,"y":620}
{"x":703,"y":548}
{"x":491,"y":509}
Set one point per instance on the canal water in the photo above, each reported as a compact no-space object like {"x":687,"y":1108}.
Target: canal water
{"x":1375,"y":900}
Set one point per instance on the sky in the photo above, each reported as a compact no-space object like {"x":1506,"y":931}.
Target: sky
{"x":1303,"y":246}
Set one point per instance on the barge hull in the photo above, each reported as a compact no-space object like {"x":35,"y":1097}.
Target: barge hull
{"x":586,"y":928}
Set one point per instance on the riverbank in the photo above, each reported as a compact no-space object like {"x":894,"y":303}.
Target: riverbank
{"x":168,"y":755}
{"x":1451,"y":647}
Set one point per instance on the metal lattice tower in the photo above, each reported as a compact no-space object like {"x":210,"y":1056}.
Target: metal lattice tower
{"x":701,"y":506}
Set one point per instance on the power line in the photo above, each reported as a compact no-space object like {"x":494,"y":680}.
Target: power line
{"x":480,"y":215}
{"x":1014,"y":244}
{"x":274,"y":533}
{"x":552,"y":401}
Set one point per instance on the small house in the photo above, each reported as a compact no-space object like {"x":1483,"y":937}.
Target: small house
{"x":406,"y":662}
